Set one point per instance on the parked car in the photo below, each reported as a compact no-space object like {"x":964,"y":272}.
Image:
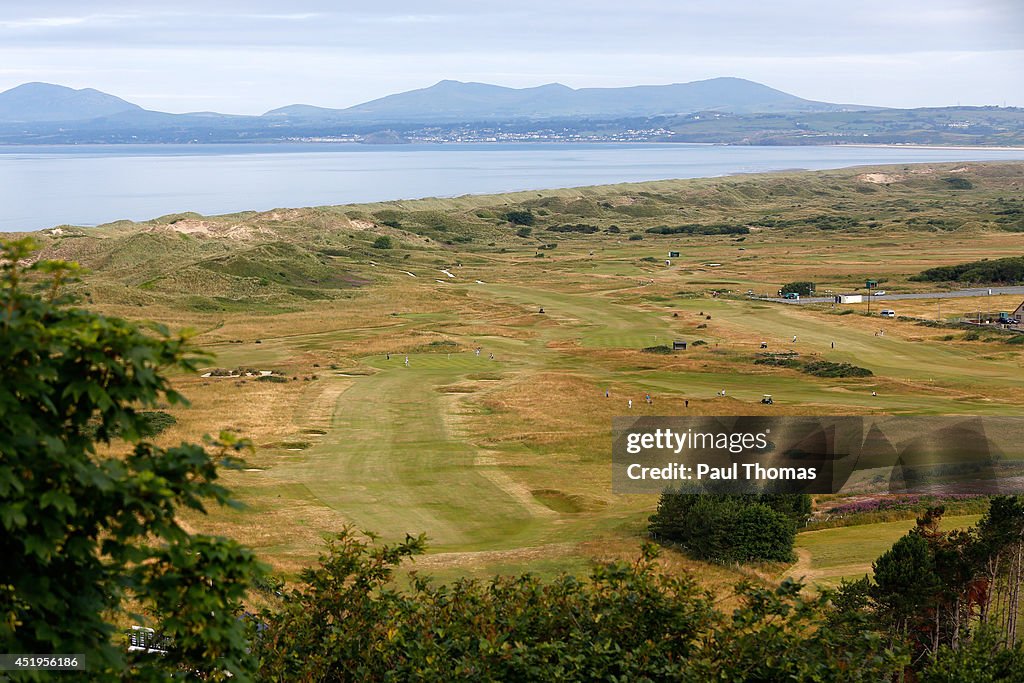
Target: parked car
{"x":791,"y":295}
{"x":888,"y":313}
{"x":879,"y":292}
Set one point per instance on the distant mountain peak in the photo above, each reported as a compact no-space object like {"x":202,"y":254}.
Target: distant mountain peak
{"x":36,"y":101}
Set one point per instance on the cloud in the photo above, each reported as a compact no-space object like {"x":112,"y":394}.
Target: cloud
{"x":259,"y":54}
{"x":57,"y":22}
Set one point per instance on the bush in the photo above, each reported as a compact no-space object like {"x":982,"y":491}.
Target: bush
{"x":524,"y":231}
{"x":635,"y":238}
{"x":824,"y":368}
{"x":778,"y":362}
{"x":662,"y":349}
{"x":697,"y":229}
{"x":517,"y":217}
{"x":345,"y":621}
{"x":731,"y":527}
{"x":958,"y":183}
{"x":1008,"y":270}
{"x":383,"y":242}
{"x":578,"y":227}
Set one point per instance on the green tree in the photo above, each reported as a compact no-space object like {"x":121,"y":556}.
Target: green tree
{"x":731,"y":527}
{"x":984,"y":659}
{"x":905,"y":579}
{"x":383,"y":242}
{"x":802,"y":288}
{"x":87,"y":532}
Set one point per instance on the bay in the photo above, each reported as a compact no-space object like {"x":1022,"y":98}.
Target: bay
{"x":44,"y":186}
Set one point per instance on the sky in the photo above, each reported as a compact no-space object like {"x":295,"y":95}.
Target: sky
{"x":247,"y":57}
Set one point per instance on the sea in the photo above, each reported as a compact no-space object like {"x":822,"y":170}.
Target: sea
{"x":88,"y":185}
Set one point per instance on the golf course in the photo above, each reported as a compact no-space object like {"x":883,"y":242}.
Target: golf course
{"x":459,"y":377}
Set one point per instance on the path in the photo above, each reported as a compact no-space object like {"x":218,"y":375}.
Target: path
{"x":958,"y":294}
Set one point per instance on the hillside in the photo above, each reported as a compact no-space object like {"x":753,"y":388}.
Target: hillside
{"x":42,"y":102}
{"x":286,"y":258}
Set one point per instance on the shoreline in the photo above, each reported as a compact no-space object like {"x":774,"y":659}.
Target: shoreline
{"x":13,"y":148}
{"x":948,"y":148}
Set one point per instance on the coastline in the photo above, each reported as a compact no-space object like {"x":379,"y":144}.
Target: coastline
{"x":949,"y":148}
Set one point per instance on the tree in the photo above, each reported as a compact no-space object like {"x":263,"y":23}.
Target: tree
{"x":383,"y":242}
{"x":802,"y":288}
{"x":906,"y":583}
{"x":731,"y":527}
{"x":86,"y":531}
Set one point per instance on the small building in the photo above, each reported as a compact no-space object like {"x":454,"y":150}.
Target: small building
{"x":678,"y":345}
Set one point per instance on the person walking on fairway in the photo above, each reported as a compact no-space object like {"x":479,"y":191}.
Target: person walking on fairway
{"x":648,"y":398}
{"x":686,"y":403}
{"x":630,"y":404}
{"x":606,"y":393}
{"x":407,"y":361}
{"x":833,"y":345}
{"x":794,"y":338}
{"x":389,"y":356}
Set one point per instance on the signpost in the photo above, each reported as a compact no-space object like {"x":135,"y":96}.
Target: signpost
{"x":870,"y":284}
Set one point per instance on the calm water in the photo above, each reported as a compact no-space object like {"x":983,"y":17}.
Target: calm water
{"x":91,"y":184}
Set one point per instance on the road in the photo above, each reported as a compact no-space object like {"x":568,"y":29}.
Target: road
{"x":960,"y":293}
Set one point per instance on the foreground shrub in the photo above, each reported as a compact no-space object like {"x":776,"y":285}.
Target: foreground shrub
{"x":347,"y":622}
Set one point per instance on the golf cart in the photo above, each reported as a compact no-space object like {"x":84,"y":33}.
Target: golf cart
{"x":767,"y":400}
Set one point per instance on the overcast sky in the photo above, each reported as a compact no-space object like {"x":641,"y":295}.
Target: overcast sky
{"x":249,"y":56}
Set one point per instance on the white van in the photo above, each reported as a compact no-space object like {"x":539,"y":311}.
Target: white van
{"x":888,"y":313}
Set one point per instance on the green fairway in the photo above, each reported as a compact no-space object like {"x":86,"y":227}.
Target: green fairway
{"x":390,"y":462}
{"x":829,"y":555}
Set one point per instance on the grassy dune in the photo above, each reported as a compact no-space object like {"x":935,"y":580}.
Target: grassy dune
{"x":504,"y":463}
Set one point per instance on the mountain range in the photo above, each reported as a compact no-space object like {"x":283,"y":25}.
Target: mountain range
{"x":445,"y":102}
{"x":451,"y":101}
{"x":718,"y":111}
